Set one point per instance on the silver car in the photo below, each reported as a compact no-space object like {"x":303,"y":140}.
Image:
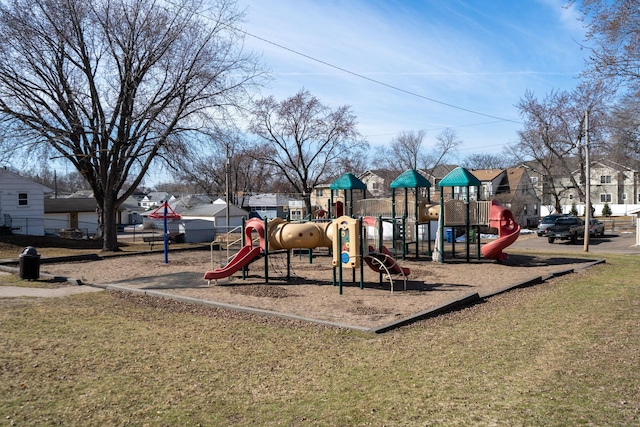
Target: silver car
{"x":596,"y":228}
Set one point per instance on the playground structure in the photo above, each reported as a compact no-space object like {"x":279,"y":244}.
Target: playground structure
{"x":344,"y":236}
{"x":347,"y":237}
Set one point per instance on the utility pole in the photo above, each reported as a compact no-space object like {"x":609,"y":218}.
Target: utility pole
{"x":587,"y":202}
{"x":227,"y":167}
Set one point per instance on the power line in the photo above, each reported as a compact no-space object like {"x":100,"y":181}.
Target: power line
{"x":378,"y":82}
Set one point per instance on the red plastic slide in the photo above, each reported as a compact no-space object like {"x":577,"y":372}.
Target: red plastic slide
{"x":508,"y":231}
{"x":243,"y":258}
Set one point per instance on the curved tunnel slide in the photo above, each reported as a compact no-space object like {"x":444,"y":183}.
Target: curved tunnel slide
{"x":284,"y":235}
{"x":508,"y":232}
{"x":280,"y":235}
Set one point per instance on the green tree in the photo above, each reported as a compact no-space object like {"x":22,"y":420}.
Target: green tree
{"x":606,"y":210}
{"x":574,"y":209}
{"x":113,"y":85}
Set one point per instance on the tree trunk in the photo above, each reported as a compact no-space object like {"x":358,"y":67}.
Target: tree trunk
{"x":110,"y":230}
{"x":307,"y":203}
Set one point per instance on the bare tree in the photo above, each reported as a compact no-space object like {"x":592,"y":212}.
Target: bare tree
{"x":624,"y":127}
{"x":407,"y":151}
{"x":613,"y":31}
{"x":112,"y":85}
{"x":404,"y":152}
{"x":304,"y":140}
{"x":225,"y":159}
{"x":553,"y":133}
{"x":447,"y":143}
{"x":485,"y":161}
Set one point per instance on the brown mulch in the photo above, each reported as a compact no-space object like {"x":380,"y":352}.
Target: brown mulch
{"x":309,"y":291}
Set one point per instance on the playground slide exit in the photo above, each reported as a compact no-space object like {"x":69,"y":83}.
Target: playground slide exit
{"x":508,"y":231}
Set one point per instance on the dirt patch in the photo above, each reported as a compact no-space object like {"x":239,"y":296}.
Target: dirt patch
{"x":309,"y":291}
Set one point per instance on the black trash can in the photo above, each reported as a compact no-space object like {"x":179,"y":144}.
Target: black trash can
{"x":29,"y":264}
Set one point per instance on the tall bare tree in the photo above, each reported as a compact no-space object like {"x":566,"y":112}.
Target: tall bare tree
{"x":305,"y":140}
{"x":486,"y":161}
{"x":553,"y":133}
{"x":613,"y":34}
{"x":224,"y":159}
{"x":447,"y":143}
{"x":112,"y":85}
{"x":624,"y":127}
{"x":405,"y":152}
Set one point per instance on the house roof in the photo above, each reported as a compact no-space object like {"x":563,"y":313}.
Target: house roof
{"x":486,"y":175}
{"x":213,"y":210}
{"x":348,"y":181}
{"x":459,"y":177}
{"x":411,"y":179}
{"x":270,"y":200}
{"x":440,"y":171}
{"x":514,"y":176}
{"x":184,"y":203}
{"x":70,"y":205}
{"x":7,"y":172}
{"x":159,"y":196}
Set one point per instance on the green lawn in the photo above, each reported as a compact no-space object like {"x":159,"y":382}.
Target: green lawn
{"x":562,"y":353}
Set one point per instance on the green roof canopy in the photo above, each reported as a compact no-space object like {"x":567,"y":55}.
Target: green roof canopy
{"x":411,"y":179}
{"x":459,"y":177}
{"x":348,"y":181}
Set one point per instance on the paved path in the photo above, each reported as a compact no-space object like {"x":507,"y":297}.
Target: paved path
{"x":17,"y":291}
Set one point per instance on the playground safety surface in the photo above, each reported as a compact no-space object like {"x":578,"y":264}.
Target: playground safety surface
{"x":310,"y":295}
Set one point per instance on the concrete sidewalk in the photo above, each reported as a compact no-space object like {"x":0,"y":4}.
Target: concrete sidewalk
{"x":17,"y":291}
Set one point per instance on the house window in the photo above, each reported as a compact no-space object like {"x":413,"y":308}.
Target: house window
{"x":605,"y":198}
{"x":624,"y":196}
{"x":374,"y":185}
{"x":318,"y":192}
{"x":570,"y":196}
{"x":23,"y":199}
{"x":605,"y":179}
{"x":534,"y":180}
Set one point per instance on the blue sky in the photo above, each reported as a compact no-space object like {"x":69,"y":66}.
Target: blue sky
{"x":474,"y":55}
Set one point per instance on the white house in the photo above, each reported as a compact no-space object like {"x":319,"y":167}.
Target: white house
{"x":71,"y":214}
{"x":21,"y":204}
{"x":200,"y":220}
{"x":154,"y":199}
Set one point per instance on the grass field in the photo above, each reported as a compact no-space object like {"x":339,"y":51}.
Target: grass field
{"x":562,"y":353}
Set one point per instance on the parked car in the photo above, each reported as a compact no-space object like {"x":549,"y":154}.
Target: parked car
{"x":547,"y":222}
{"x":596,"y":228}
{"x":566,"y":228}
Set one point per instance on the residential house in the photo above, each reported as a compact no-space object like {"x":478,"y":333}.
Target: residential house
{"x":200,"y":220}
{"x":154,"y":199}
{"x":611,"y":183}
{"x":521,"y":198}
{"x":78,"y":216}
{"x":272,"y":205}
{"x":21,"y":204}
{"x":321,"y":197}
{"x":493,"y":182}
{"x":71,"y":217}
{"x":435,"y":175}
{"x":378,"y":182}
